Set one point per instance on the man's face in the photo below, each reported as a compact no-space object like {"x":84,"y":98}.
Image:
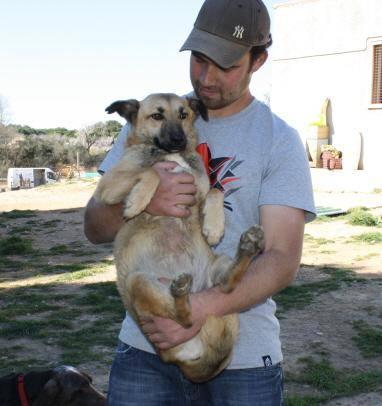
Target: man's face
{"x":218,"y":87}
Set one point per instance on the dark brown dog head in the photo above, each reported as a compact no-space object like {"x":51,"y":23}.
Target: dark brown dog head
{"x":164,"y":120}
{"x":68,"y":386}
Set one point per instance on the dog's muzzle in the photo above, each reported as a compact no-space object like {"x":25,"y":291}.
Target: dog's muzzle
{"x":172,"y":139}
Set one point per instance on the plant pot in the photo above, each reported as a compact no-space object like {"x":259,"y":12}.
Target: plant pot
{"x":319,"y":132}
{"x":329,"y":161}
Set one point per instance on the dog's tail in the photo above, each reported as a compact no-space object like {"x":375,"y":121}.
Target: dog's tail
{"x":218,"y":336}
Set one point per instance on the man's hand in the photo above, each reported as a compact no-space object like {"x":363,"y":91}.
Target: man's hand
{"x":175,"y":193}
{"x":166,"y":333}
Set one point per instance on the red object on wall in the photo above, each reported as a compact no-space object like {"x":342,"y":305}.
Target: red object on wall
{"x":329,"y":162}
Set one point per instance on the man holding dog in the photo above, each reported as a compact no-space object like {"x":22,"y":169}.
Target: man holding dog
{"x":260,"y":164}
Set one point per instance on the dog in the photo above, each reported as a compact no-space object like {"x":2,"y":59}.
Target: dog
{"x":61,"y":386}
{"x":151,"y":249}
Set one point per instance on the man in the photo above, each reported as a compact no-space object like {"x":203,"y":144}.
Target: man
{"x":259,"y":162}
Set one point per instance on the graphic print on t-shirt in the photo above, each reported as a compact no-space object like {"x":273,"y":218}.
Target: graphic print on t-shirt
{"x":220,"y":171}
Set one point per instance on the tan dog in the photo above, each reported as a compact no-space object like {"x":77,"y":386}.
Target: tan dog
{"x":148,"y":248}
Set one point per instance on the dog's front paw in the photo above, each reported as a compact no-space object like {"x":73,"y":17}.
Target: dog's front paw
{"x":107,"y":193}
{"x":252,"y":241}
{"x":213,"y":232}
{"x":213,"y":221}
{"x":181,"y":285}
{"x":133,"y":208}
{"x":141,"y":194}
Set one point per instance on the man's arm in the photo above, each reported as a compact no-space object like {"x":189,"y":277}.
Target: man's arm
{"x":272,"y":271}
{"x":102,"y":222}
{"x":175,"y":193}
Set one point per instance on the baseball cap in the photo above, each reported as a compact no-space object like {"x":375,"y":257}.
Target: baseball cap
{"x":226,"y":29}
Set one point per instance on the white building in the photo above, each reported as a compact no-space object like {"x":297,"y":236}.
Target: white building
{"x":331,"y":49}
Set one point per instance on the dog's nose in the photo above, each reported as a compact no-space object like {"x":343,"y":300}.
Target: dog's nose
{"x":177,"y":138}
{"x":172,"y":138}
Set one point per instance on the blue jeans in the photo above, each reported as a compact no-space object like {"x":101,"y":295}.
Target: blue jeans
{"x":142,"y":379}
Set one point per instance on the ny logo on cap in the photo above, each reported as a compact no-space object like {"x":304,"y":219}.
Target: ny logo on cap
{"x":238,"y":33}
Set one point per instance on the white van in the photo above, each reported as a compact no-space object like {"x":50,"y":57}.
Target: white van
{"x":23,"y":178}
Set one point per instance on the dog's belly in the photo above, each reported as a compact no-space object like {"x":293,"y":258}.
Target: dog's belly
{"x":166,"y":249}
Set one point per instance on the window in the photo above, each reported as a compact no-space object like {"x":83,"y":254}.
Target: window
{"x":376,"y":96}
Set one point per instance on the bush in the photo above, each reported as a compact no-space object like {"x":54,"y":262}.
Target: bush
{"x":15,"y":246}
{"x":361,"y":217}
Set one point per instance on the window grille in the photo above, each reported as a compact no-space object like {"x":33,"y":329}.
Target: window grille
{"x":376,"y":97}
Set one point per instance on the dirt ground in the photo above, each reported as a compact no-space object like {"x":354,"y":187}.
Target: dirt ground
{"x":325,"y":324}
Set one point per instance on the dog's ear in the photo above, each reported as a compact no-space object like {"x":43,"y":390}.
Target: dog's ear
{"x":198,"y":107}
{"x":48,"y":394}
{"x":125,"y":108}
{"x":87,"y":376}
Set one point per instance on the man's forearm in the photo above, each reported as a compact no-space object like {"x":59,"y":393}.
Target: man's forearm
{"x":102,"y":222}
{"x":273,"y":270}
{"x":270,"y":273}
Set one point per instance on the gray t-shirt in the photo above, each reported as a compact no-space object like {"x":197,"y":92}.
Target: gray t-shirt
{"x":256,"y":159}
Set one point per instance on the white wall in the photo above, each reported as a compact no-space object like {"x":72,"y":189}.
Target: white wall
{"x":322,"y":48}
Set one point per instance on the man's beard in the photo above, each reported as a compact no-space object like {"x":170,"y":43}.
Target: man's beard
{"x":222,"y":100}
{"x":211,"y":103}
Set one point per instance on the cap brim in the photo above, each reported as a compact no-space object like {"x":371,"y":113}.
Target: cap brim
{"x":224,"y":53}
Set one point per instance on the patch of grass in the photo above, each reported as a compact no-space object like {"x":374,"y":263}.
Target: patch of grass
{"x":369,"y":238}
{"x":33,"y":305}
{"x":295,"y":400}
{"x":16,"y":214}
{"x":76,"y":347}
{"x":59,"y":249}
{"x":68,"y":211}
{"x":317,"y":241}
{"x":300,"y":296}
{"x":13,"y":365}
{"x":80,"y":326}
{"x":360,"y":216}
{"x":102,"y":298}
{"x":15,"y":246}
{"x":367,"y":256}
{"x":29,"y":301}
{"x":25,"y":328}
{"x":50,"y":223}
{"x":98,"y":299}
{"x":84,"y":272}
{"x":20,"y":230}
{"x":7,"y":264}
{"x":325,"y":219}
{"x":331,"y":382}
{"x":368,"y":339}
{"x":327,"y":252}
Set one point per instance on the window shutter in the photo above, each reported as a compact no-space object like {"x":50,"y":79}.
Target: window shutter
{"x":376,"y":97}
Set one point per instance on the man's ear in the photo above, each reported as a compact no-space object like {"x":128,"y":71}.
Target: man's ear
{"x":125,"y":108}
{"x":198,"y":107}
{"x":259,"y":61}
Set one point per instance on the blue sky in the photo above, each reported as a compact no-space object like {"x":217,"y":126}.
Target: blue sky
{"x":63,"y":62}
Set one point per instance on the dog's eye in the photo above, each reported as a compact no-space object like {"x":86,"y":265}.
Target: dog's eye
{"x":183,"y":115}
{"x":157,"y":116}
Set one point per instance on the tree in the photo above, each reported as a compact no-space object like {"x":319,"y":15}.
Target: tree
{"x":4,"y":116}
{"x":91,"y":134}
{"x":8,"y":144}
{"x":112,"y":128}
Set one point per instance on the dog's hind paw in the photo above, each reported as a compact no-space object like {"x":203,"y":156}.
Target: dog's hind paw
{"x":181,"y":285}
{"x":252,"y":241}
